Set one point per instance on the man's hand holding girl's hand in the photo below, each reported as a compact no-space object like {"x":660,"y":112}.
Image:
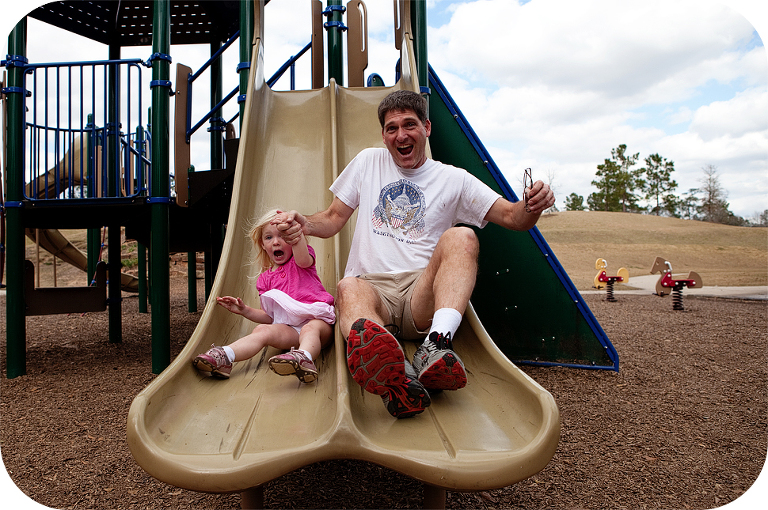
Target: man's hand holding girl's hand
{"x":290,"y":225}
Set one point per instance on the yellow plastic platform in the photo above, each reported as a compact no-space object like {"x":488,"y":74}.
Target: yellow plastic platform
{"x":213,"y":435}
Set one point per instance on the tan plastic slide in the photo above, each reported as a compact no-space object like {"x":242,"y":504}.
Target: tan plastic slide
{"x":213,"y":435}
{"x":54,"y":242}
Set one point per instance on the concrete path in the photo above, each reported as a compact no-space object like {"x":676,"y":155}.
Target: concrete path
{"x":647,"y":285}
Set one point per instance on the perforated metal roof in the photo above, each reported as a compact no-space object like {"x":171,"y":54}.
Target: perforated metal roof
{"x":129,"y":22}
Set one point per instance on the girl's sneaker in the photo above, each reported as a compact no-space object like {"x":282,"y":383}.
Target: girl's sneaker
{"x":377,"y":363}
{"x":294,"y":362}
{"x":215,"y":361}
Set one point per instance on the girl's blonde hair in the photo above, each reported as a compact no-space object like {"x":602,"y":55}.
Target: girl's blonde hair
{"x":261,"y":259}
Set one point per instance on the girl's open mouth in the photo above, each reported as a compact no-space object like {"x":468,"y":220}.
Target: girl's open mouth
{"x":277,"y":253}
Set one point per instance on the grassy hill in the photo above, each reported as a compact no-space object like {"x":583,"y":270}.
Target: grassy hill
{"x":721,"y":254}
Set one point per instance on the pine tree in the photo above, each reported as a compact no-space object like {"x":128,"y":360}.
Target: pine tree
{"x":574,"y":202}
{"x":617,"y":183}
{"x":659,"y":185}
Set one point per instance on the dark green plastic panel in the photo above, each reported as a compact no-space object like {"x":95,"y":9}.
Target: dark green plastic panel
{"x":523,"y":297}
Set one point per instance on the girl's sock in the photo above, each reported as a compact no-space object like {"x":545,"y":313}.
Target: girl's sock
{"x":445,"y":321}
{"x":307,"y":353}
{"x":230,"y":353}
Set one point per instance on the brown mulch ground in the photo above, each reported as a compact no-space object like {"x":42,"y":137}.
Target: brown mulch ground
{"x":682,"y":425}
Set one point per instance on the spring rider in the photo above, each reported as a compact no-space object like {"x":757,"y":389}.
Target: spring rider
{"x":603,"y":280}
{"x":666,"y":285}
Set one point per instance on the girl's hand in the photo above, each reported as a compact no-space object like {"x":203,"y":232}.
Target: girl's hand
{"x":234,"y":305}
{"x":293,"y":240}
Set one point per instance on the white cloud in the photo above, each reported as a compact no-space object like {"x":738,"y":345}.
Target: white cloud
{"x":615,"y":47}
{"x":744,"y":114}
{"x":556,"y":84}
{"x":683,"y":115}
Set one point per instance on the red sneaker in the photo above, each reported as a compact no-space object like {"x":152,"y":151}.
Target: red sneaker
{"x":377,"y":363}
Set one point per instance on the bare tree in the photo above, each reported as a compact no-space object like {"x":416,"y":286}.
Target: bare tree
{"x":550,"y":179}
{"x":713,"y":206}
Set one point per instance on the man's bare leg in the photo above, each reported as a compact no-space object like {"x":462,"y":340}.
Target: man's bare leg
{"x":449,"y":278}
{"x":356,"y":299}
{"x":374,"y":357}
{"x":442,"y":293}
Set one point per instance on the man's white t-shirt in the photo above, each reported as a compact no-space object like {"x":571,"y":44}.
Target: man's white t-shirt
{"x":403,"y":212}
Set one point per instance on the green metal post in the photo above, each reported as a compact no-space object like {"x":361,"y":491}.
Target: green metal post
{"x":246,"y":45}
{"x":217,"y":154}
{"x":217,"y":124}
{"x":93,"y":237}
{"x":159,"y":243}
{"x":335,"y":48}
{"x":141,"y":249}
{"x":191,"y":273}
{"x":208,"y":264}
{"x":142,"y":254}
{"x":114,"y":247}
{"x":419,"y":29}
{"x":191,"y":281}
{"x":16,"y":342}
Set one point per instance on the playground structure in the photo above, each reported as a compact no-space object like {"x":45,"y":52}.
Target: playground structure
{"x":199,"y":434}
{"x":603,"y":280}
{"x":63,"y":175}
{"x":668,"y":285}
{"x":79,"y":153}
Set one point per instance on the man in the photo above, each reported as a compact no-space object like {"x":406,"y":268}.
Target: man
{"x":409,"y":266}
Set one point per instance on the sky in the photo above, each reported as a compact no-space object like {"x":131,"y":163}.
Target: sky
{"x":553,"y":85}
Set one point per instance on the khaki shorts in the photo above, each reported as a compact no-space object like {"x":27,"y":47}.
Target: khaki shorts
{"x":395,"y":291}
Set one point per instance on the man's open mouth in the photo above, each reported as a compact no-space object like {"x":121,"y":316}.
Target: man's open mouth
{"x":405,"y":150}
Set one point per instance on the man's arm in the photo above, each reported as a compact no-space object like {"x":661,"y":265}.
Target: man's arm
{"x":322,"y":224}
{"x":513,"y":216}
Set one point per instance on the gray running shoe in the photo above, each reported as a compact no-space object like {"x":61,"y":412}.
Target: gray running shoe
{"x":439,"y":368}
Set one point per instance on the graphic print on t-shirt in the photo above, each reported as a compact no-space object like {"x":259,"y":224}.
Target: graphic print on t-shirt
{"x":401,"y":209}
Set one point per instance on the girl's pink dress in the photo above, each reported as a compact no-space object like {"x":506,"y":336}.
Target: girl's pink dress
{"x":294,"y":295}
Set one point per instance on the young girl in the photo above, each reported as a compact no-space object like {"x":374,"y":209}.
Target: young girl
{"x":296,"y":311}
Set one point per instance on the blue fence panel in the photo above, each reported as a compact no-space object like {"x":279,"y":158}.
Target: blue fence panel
{"x":85,"y":135}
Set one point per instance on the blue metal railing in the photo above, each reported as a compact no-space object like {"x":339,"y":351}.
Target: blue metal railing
{"x":211,"y":116}
{"x":87,"y":140}
{"x":289,"y":64}
{"x":66,"y":154}
{"x":190,"y":130}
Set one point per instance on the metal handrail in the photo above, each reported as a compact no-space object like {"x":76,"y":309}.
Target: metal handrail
{"x":289,"y":64}
{"x":208,"y":115}
{"x":216,"y":55}
{"x":190,"y":130}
